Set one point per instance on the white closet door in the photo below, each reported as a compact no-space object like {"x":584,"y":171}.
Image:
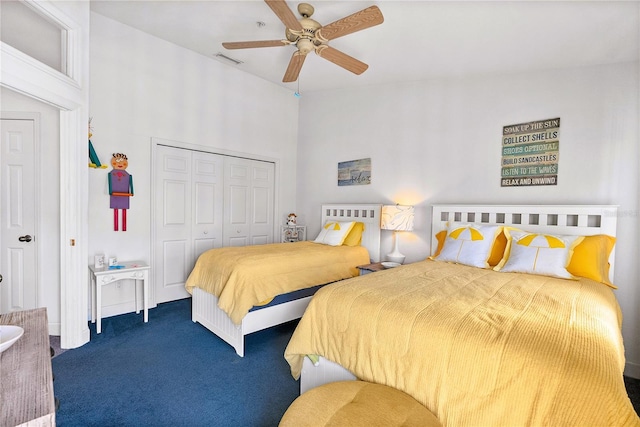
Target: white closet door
{"x":249,"y":204}
{"x":173,"y":251}
{"x":207,"y":178}
{"x":237,"y":187}
{"x":188,"y":216}
{"x":262,"y":200}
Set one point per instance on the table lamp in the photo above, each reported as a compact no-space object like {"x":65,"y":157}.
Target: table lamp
{"x":397,"y":218}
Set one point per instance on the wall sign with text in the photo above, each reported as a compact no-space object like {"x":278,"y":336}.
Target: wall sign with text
{"x":354,"y":172}
{"x":530,"y":153}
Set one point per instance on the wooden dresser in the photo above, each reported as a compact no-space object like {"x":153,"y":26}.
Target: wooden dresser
{"x":26,"y":380}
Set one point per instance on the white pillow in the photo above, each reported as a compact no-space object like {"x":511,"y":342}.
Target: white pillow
{"x":533,"y":253}
{"x":334,"y":233}
{"x":469,"y":244}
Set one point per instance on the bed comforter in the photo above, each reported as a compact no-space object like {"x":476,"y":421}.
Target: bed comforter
{"x":243,"y":277}
{"x":477,"y":347}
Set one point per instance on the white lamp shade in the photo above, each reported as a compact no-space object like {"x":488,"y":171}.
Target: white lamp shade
{"x":397,"y":218}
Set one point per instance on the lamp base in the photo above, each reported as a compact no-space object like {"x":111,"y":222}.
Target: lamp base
{"x":395,"y":255}
{"x":397,"y":258}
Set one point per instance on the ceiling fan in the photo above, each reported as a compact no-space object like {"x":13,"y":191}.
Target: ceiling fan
{"x":307,"y":35}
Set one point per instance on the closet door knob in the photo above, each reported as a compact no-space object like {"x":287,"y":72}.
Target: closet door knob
{"x":25,"y":238}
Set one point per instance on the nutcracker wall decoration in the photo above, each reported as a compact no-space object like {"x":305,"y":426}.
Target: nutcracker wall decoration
{"x":120,"y":188}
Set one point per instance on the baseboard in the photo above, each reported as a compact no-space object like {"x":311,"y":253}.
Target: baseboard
{"x":117,"y":309}
{"x":632,"y":370}
{"x":55,"y":328}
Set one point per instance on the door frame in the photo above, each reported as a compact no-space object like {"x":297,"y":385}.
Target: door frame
{"x":193,"y":147}
{"x":70,"y":94}
{"x":35,"y":118}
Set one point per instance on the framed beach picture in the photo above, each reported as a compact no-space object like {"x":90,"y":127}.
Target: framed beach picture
{"x":354,"y":172}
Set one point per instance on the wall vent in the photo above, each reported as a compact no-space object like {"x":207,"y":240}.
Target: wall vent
{"x":225,"y":57}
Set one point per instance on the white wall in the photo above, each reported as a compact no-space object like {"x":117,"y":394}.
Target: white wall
{"x":440,"y":141}
{"x":144,"y":87}
{"x":48,"y":268}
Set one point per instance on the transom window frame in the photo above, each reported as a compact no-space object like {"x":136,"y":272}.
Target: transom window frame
{"x":69,"y":62}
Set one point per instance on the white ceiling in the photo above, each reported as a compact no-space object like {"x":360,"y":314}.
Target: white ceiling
{"x":418,"y":40}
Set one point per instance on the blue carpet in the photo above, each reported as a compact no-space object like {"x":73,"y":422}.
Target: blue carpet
{"x":173,"y":372}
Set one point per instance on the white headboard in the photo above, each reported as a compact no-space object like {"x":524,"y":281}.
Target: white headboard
{"x":580,"y":220}
{"x":369,"y":214}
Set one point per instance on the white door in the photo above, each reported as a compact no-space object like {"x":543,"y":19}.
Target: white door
{"x":188,"y":215}
{"x":262,"y":202}
{"x":237,"y":196}
{"x":249,"y":202}
{"x":18,"y":249}
{"x":207,"y":200}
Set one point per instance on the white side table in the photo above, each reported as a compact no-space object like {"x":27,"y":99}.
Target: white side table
{"x":293,"y":233}
{"x":133,"y":270}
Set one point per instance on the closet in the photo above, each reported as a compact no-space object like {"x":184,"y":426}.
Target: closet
{"x":202,"y":201}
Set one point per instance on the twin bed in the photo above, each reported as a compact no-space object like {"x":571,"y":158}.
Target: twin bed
{"x":232,"y":288}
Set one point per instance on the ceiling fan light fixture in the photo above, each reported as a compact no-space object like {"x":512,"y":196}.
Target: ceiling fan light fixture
{"x":305,"y":46}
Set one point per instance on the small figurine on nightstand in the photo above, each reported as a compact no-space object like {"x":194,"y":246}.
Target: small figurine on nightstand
{"x":291,"y":231}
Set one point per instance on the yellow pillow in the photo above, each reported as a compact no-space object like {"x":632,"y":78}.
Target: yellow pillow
{"x":591,"y":258}
{"x":440,"y":236}
{"x":534,"y":253}
{"x":354,"y":238}
{"x":497,"y":251}
{"x":334,"y":233}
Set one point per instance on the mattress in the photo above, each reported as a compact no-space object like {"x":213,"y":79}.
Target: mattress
{"x":291,"y":296}
{"x":475,"y":346}
{"x":244,"y":277}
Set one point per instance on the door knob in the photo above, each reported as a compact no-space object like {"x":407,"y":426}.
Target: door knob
{"x":26,"y":238}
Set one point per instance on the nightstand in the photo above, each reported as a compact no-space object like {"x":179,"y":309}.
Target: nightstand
{"x":136,"y":270}
{"x":293,"y":233}
{"x":371,"y":268}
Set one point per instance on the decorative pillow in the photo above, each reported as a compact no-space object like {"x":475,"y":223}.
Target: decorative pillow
{"x":497,"y":251}
{"x":533,"y":253}
{"x":354,"y":238}
{"x":591,"y":258}
{"x":334,"y":233}
{"x":469,"y":244}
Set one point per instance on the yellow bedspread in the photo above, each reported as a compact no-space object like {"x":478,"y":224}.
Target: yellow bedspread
{"x":242,"y":277}
{"x":477,"y":347}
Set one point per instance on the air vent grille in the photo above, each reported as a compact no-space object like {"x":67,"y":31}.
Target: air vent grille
{"x":227,"y":58}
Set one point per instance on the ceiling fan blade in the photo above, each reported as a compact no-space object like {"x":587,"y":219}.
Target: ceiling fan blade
{"x":249,"y":45}
{"x":342,"y":59}
{"x":295,"y":65}
{"x":285,"y":14}
{"x":366,"y":18}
